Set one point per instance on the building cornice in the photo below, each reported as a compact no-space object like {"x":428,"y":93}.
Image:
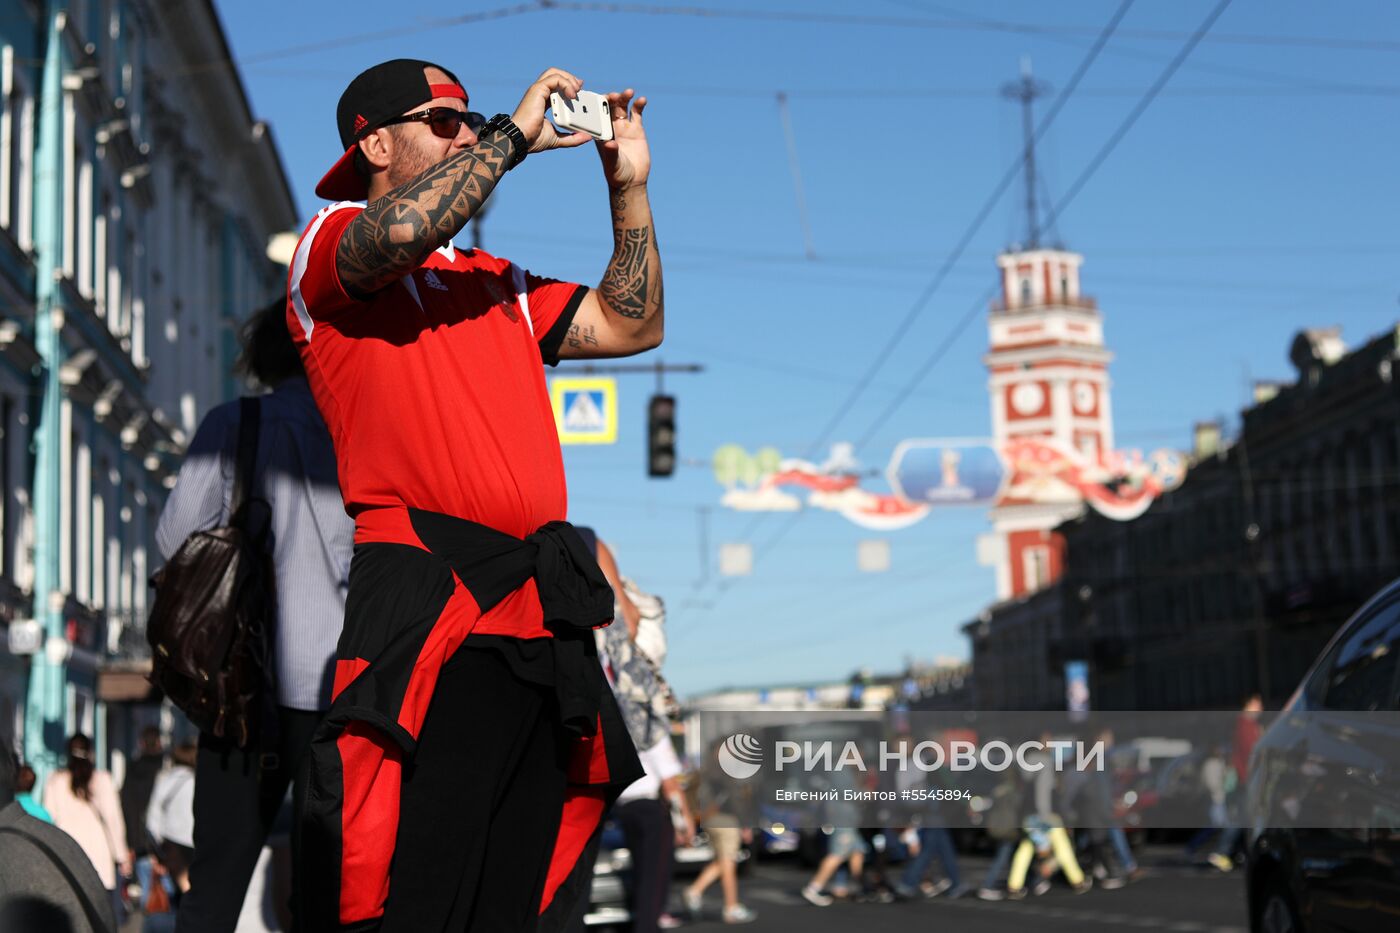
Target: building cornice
{"x":1075,"y":352}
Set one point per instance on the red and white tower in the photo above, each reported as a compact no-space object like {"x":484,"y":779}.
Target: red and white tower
{"x":1049,"y":382}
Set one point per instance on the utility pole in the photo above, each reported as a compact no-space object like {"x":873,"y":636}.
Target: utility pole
{"x":1026,"y":90}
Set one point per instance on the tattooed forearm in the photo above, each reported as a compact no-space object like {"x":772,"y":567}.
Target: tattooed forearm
{"x":393,"y":235}
{"x":626,"y":283}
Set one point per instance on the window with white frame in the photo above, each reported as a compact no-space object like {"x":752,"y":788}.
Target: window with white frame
{"x":82,"y":217}
{"x":65,"y":496}
{"x":101,"y":508}
{"x":124,"y":284}
{"x":129,"y":518}
{"x":144,"y":547}
{"x":100,"y":257}
{"x":86,"y":507}
{"x":70,"y":185}
{"x":114,"y":541}
{"x":16,"y":150}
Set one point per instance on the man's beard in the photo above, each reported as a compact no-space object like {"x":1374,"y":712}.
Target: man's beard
{"x":410,"y":162}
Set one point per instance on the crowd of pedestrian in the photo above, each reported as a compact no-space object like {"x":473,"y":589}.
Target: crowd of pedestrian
{"x":1029,"y":818}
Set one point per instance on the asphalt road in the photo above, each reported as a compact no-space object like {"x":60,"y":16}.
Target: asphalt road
{"x":1173,"y":895}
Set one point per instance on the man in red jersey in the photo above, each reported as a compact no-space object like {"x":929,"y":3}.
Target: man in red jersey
{"x":472,"y":744}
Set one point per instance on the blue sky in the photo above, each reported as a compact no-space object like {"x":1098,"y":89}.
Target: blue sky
{"x":1255,"y":197}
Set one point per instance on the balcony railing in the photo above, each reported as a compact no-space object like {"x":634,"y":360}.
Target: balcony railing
{"x":1088,"y":304}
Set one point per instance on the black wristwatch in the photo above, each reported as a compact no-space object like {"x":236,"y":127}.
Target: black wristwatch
{"x":505,"y":124}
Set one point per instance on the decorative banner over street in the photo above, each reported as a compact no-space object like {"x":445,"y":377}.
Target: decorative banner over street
{"x":924,"y":473}
{"x":1119,"y":485}
{"x":754,"y":483}
{"x":946,"y":471}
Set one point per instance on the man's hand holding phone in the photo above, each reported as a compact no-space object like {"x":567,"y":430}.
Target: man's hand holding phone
{"x":626,"y":157}
{"x":613,"y":121}
{"x":539,"y":133}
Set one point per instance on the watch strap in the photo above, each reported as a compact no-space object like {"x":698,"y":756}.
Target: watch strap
{"x":504,"y":124}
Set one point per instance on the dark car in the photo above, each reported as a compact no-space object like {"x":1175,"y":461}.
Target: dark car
{"x":1173,"y":786}
{"x":1326,"y":762}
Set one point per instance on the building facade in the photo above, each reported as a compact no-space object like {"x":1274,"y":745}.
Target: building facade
{"x":1233,"y":582}
{"x":137,"y":196}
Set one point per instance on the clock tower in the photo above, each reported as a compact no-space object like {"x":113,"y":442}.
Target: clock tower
{"x":1049,"y":385}
{"x":1049,"y":382}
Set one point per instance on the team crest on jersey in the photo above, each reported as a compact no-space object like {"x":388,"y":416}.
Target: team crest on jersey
{"x":503,"y":298}
{"x":432,"y":281}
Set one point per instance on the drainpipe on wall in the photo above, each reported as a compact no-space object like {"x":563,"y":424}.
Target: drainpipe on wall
{"x":44,"y":716}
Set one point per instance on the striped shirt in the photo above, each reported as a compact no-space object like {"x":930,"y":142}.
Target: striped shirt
{"x":311,"y":536}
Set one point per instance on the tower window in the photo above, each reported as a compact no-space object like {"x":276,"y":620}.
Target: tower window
{"x":1025,"y":291}
{"x":1035,"y":567}
{"x":1064,"y":287}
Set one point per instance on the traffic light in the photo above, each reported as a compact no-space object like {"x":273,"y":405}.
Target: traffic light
{"x":661,"y":435}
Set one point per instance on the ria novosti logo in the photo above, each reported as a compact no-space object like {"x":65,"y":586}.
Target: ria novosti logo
{"x":740,"y":756}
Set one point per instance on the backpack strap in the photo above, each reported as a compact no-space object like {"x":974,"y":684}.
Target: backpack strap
{"x":249,"y":423}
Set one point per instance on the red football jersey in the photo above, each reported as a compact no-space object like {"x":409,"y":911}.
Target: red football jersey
{"x":433,"y":389}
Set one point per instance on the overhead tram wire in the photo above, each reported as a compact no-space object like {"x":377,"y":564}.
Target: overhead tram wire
{"x":963,"y":22}
{"x":785,"y":118}
{"x":972,"y":24}
{"x":1124,"y":51}
{"x":1007,"y":178}
{"x":1335,"y":42}
{"x":1075,"y":187}
{"x":1308,"y":87}
{"x":949,"y":262}
{"x":973,"y":311}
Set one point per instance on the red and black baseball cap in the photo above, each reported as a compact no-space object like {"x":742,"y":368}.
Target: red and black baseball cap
{"x":377,"y":94}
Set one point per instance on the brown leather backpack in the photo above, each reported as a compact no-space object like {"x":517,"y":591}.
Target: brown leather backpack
{"x":211,"y":624}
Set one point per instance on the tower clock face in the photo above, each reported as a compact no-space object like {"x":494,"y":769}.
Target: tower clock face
{"x":1085,"y":395}
{"x":1028,"y":398}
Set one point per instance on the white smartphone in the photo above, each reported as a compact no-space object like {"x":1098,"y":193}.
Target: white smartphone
{"x":588,"y":113}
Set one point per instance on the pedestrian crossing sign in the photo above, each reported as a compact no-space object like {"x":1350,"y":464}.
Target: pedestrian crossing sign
{"x":585,"y":409}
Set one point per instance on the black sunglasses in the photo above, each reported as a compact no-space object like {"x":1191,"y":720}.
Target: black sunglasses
{"x":445,"y":122}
